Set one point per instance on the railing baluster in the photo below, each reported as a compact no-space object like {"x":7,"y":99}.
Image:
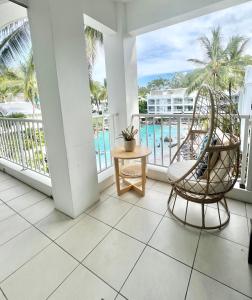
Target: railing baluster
{"x":99,"y":151}
{"x":3,"y":140}
{"x":22,"y":145}
{"x":12,"y":142}
{"x":25,"y":134}
{"x":104,"y":147}
{"x":178,"y":134}
{"x":162,"y":141}
{"x":16,"y":142}
{"x":170,"y":148}
{"x":154,"y":139}
{"x":244,"y":151}
{"x":41,"y":149}
{"x":32,"y":153}
{"x":139,"y":130}
{"x":249,"y":165}
{"x":36,"y":146}
{"x":9,"y":155}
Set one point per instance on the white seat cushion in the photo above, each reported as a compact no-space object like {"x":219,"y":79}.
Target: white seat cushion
{"x":178,"y":169}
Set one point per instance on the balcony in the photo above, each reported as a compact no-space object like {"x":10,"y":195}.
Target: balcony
{"x":64,"y":231}
{"x":122,"y":246}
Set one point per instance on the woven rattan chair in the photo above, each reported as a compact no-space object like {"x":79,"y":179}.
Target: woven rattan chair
{"x":205,"y":167}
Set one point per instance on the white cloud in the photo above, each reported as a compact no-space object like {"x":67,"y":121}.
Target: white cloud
{"x":99,"y":70}
{"x":167,"y":50}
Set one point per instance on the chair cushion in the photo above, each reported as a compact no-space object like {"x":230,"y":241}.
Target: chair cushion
{"x":179,"y":169}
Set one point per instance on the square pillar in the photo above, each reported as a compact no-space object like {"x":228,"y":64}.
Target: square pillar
{"x":121,"y":70}
{"x":62,"y":74}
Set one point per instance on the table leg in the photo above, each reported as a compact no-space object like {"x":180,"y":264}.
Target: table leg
{"x":116,"y":164}
{"x":143,"y":174}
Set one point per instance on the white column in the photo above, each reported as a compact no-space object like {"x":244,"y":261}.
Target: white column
{"x":59,"y":54}
{"x":121,"y":70}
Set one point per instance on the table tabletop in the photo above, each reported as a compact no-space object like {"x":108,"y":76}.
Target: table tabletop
{"x":139,"y":152}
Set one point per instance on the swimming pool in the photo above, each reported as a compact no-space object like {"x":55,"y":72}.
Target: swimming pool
{"x":148,"y":134}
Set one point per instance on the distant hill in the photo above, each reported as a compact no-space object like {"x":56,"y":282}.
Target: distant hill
{"x":143,"y":80}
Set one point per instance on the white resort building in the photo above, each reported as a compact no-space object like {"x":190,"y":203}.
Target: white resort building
{"x":170,"y":101}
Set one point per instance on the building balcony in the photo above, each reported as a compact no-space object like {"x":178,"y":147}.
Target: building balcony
{"x":64,"y":231}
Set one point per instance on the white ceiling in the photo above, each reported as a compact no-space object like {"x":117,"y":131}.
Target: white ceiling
{"x":124,"y":0}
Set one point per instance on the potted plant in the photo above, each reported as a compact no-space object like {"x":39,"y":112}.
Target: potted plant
{"x":128,"y":135}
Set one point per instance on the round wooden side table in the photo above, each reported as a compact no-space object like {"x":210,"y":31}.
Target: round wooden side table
{"x":131,"y":170}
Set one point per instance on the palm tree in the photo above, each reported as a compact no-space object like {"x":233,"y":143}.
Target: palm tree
{"x":15,"y":45}
{"x":98,"y":93}
{"x":30,"y":87}
{"x":10,"y":84}
{"x":212,"y":67}
{"x":224,"y":67}
{"x":236,"y":62}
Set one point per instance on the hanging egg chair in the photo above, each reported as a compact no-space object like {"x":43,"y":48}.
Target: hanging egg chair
{"x":206,"y":165}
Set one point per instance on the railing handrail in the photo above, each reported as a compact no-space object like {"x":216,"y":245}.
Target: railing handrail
{"x":178,"y":115}
{"x":105,"y":115}
{"x":41,"y":121}
{"x":21,"y":120}
{"x":163,"y":115}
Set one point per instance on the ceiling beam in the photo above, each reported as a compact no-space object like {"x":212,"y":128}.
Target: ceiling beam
{"x":23,"y":3}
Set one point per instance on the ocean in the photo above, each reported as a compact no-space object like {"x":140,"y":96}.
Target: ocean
{"x":144,"y":80}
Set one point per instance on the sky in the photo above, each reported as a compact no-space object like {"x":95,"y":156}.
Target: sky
{"x":166,"y":50}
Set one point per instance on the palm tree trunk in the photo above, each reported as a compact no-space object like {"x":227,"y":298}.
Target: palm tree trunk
{"x":230,"y":90}
{"x":33,"y":110}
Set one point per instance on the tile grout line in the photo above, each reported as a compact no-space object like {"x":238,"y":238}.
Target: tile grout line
{"x":1,"y":290}
{"x":53,"y":241}
{"x":239,"y":292}
{"x":144,"y":243}
{"x":27,"y":192}
{"x":4,"y":203}
{"x":246,"y":204}
{"x":141,"y":253}
{"x":169,"y":217}
{"x":192,"y":267}
{"x":210,"y":276}
{"x":41,"y":250}
{"x":16,"y":185}
{"x":62,"y":282}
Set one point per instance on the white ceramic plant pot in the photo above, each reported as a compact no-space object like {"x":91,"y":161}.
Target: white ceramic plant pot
{"x":129,"y":146}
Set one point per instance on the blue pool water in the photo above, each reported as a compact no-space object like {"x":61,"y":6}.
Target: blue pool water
{"x":102,"y":142}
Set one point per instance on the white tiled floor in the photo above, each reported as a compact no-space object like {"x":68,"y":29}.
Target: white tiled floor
{"x":122,"y":248}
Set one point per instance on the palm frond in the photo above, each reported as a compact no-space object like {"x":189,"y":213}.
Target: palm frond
{"x":15,"y":45}
{"x":93,"y":39}
{"x":197,"y":61}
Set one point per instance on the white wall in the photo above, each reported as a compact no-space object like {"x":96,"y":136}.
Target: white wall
{"x":148,"y":15}
{"x":10,"y":12}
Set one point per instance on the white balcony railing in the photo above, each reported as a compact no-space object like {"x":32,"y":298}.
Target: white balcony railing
{"x":163,"y":133}
{"x":104,"y":137}
{"x":22,"y":142}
